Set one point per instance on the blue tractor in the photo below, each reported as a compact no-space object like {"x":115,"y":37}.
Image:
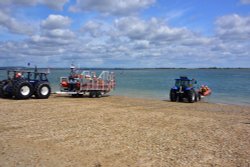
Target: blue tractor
{"x":184,"y":89}
{"x":24,"y":84}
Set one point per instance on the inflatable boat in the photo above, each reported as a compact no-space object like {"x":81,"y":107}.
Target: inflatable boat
{"x":205,"y":91}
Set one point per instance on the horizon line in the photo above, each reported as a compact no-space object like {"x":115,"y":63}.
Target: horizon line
{"x":117,"y":68}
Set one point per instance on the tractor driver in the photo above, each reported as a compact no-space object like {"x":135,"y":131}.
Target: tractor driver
{"x":18,"y":75}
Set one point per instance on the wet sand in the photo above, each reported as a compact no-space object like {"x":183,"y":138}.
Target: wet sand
{"x":122,"y":131}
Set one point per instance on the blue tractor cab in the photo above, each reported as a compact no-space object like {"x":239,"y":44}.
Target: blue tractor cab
{"x":184,"y":89}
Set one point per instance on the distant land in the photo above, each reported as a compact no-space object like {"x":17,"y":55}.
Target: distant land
{"x":105,"y":68}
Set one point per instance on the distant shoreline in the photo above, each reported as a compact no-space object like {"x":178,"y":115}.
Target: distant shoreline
{"x":104,"y":68}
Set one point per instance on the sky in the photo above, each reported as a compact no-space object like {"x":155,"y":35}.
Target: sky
{"x":125,"y":33}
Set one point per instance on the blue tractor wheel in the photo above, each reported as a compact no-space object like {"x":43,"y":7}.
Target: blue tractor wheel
{"x":3,"y":92}
{"x":173,"y":95}
{"x":22,"y":89}
{"x":191,"y":96}
{"x":42,"y":90}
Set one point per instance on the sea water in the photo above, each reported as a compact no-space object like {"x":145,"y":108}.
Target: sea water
{"x":229,"y":86}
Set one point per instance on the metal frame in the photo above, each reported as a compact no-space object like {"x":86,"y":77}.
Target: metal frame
{"x":88,"y":80}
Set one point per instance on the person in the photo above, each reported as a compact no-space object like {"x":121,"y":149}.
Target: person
{"x":94,"y":75}
{"x":203,"y":89}
{"x":18,"y":75}
{"x":73,"y":70}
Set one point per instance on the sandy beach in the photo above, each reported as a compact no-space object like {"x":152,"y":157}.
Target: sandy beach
{"x":122,"y":131}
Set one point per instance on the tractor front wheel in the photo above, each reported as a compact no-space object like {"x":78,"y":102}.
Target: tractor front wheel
{"x":173,"y":95}
{"x":42,"y":90}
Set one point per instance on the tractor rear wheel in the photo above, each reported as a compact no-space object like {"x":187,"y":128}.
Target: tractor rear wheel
{"x":173,"y":95}
{"x":22,"y":89}
{"x":191,"y":96}
{"x":1,"y":90}
{"x":42,"y":90}
{"x":3,"y":93}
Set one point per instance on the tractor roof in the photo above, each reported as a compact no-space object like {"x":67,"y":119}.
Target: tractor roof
{"x":26,"y":71}
{"x":184,"y":78}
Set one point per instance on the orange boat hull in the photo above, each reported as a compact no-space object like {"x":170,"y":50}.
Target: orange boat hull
{"x":206,"y":93}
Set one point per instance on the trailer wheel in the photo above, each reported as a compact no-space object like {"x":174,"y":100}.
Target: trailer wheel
{"x":22,"y":89}
{"x":93,"y":94}
{"x":77,"y":95}
{"x":98,"y":94}
{"x":42,"y":90}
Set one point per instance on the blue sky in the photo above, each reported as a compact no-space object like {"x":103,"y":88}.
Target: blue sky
{"x":119,"y":33}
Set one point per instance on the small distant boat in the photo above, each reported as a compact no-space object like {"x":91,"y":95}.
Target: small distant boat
{"x":205,"y":91}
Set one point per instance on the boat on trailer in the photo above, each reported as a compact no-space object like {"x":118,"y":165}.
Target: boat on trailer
{"x":87,"y":83}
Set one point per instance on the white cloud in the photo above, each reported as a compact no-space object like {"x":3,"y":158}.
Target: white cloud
{"x":15,"y":26}
{"x":141,"y":44}
{"x":53,"y":4}
{"x":135,"y":41}
{"x":245,"y":1}
{"x":19,"y":2}
{"x":95,"y":29}
{"x":55,"y":22}
{"x":233,"y":27}
{"x":14,"y":23}
{"x":132,"y":27}
{"x":112,"y":7}
{"x":54,"y":30}
{"x":41,"y":46}
{"x":154,"y":30}
{"x":60,"y":33}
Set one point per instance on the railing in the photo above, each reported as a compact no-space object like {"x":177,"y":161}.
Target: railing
{"x":105,"y":81}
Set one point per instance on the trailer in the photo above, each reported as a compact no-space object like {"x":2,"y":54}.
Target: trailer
{"x":87,"y":83}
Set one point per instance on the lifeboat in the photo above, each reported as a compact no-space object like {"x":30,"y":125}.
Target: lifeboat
{"x":205,"y":91}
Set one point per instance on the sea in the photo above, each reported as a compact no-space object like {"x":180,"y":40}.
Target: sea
{"x":229,"y":86}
